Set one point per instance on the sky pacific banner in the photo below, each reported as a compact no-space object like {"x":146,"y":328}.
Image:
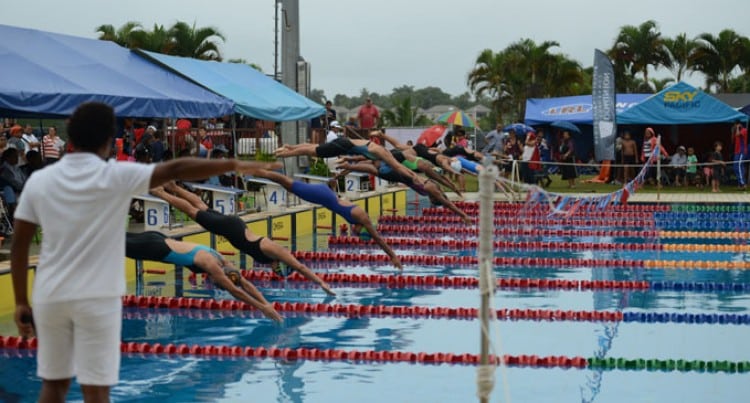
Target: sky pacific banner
{"x":603,"y":105}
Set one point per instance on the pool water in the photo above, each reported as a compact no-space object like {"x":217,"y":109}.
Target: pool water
{"x":172,"y":378}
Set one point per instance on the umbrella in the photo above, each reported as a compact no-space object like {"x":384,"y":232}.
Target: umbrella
{"x":519,"y":128}
{"x":457,"y":118}
{"x":561,"y":124}
{"x":431,"y":135}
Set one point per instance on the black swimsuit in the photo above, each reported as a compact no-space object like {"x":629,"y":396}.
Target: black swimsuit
{"x":233,"y":229}
{"x":424,"y":152}
{"x":148,"y":245}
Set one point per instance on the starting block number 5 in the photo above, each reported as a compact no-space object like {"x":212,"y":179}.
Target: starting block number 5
{"x":224,"y":205}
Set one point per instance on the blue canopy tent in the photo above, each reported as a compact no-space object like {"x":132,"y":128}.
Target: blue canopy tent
{"x":575,"y":109}
{"x":686,"y":116}
{"x":254,"y":94}
{"x":48,"y":75}
{"x":680,"y":104}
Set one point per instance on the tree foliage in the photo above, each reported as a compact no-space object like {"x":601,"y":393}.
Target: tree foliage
{"x":181,"y":39}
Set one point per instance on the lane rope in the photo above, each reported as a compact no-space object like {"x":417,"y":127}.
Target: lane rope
{"x":382,"y":356}
{"x":441,"y":312}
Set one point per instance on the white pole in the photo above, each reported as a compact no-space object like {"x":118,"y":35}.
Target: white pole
{"x":486,"y":370}
{"x":658,"y":167}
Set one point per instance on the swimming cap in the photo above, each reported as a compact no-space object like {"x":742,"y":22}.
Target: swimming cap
{"x":456,"y":166}
{"x":234,"y":275}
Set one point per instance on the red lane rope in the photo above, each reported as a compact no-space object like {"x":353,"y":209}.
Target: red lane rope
{"x":516,"y":220}
{"x":369,"y":310}
{"x":464,"y":230}
{"x":498,"y":245}
{"x":314,"y":354}
{"x":393,"y":280}
{"x":468,"y":260}
{"x":431,"y":212}
{"x":500,"y":205}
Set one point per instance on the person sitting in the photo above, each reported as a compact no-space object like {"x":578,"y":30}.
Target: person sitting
{"x":321,"y":193}
{"x":34,"y":163}
{"x":12,"y":178}
{"x":678,"y":164}
{"x":157,"y":247}
{"x":262,"y":249}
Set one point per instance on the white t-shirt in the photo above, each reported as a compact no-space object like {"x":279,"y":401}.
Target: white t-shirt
{"x":81,"y":204}
{"x":528,"y":153}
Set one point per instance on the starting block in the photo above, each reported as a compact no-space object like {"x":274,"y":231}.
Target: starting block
{"x":155,"y":213}
{"x":223,"y":199}
{"x":355,"y":183}
{"x":274,"y":194}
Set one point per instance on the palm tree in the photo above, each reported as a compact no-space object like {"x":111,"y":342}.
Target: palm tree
{"x":681,"y":54}
{"x":157,"y":40}
{"x":718,"y":56}
{"x":660,"y":84}
{"x":489,"y":78}
{"x":403,"y":114}
{"x":127,"y":35}
{"x":198,"y":43}
{"x":564,"y":76}
{"x":640,"y":47}
{"x":535,"y":60}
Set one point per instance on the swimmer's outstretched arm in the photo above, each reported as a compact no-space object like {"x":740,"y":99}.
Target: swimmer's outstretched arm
{"x":201,"y":168}
{"x":294,"y":150}
{"x":278,"y":252}
{"x":363,"y":219}
{"x":248,"y":294}
{"x":395,"y":143}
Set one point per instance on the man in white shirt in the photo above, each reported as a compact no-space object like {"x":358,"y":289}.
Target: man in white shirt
{"x":80,"y":280}
{"x":334,"y":132}
{"x":30,"y":141}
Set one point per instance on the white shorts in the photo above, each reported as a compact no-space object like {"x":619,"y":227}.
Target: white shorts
{"x":79,"y":338}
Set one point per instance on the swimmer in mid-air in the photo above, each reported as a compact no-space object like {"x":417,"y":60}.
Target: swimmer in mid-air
{"x":261,"y":249}
{"x":344,"y":146}
{"x":321,"y":193}
{"x":383,"y":171}
{"x":157,"y":247}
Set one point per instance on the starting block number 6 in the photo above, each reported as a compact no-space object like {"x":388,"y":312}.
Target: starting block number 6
{"x":152,"y":216}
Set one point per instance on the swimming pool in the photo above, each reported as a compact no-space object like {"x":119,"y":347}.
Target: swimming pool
{"x":651,"y":309}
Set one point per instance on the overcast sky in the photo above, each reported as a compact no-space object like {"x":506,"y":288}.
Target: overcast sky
{"x":383,"y":44}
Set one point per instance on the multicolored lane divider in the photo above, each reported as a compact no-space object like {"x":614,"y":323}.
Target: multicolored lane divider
{"x":528,"y":231}
{"x":540,"y":245}
{"x":521,"y":262}
{"x":402,"y":281}
{"x":372,"y":356}
{"x":437,"y":312}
